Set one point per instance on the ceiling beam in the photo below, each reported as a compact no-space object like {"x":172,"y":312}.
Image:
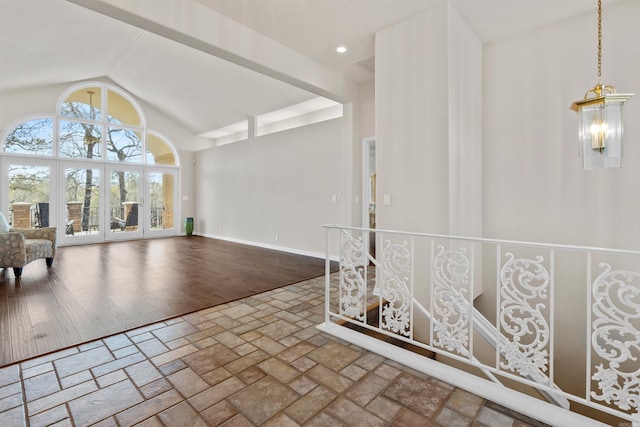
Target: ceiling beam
{"x":194,"y":25}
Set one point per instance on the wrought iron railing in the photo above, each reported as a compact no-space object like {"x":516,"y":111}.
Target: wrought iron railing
{"x":564,"y":320}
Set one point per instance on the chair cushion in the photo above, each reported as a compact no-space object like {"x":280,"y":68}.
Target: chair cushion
{"x":38,"y":248}
{"x":4,"y":224}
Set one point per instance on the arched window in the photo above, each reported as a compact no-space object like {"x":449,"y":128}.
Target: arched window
{"x":86,"y":115}
{"x":96,"y":139}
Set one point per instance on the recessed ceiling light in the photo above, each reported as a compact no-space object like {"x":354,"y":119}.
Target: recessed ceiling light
{"x":341,"y":49}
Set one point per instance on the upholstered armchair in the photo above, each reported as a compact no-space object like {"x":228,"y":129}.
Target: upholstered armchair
{"x":18,"y":247}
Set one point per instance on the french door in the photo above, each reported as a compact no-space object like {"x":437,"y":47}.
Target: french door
{"x":89,"y":202}
{"x":82,"y":203}
{"x":116,"y":202}
{"x":161,"y":207}
{"x":125,"y":215}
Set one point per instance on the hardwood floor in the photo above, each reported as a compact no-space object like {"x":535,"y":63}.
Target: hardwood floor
{"x":97,"y":290}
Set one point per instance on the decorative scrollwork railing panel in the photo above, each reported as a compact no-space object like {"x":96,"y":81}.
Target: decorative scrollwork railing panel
{"x":616,"y":338}
{"x":524,"y":293}
{"x":451,"y":309}
{"x":396,"y":294}
{"x":352,"y":278}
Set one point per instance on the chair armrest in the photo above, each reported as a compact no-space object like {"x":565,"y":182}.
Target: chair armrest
{"x":48,"y":233}
{"x":13,"y":251}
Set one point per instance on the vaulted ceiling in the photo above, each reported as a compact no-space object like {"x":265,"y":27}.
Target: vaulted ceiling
{"x":44,"y":42}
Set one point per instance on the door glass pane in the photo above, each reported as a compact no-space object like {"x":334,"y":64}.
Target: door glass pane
{"x":161,"y":209}
{"x":28,"y":196}
{"x":124,"y":145}
{"x":82,"y":188}
{"x":124,"y":201}
{"x":80,"y":140}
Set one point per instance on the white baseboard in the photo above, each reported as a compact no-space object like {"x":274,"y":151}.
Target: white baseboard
{"x":267,"y":246}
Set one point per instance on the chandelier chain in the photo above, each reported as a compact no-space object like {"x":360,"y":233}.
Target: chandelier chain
{"x":599,"y":40}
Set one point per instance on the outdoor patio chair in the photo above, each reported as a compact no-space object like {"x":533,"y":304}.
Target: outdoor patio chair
{"x":68,"y":228}
{"x":18,"y":247}
{"x":131,"y":223}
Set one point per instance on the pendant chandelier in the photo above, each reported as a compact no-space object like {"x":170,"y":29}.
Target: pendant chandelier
{"x":600,"y":119}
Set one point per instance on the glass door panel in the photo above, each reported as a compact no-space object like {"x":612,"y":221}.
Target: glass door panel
{"x":162,"y":194}
{"x":125,"y":200}
{"x":89,"y":202}
{"x":29,"y":195}
{"x":82,"y":212}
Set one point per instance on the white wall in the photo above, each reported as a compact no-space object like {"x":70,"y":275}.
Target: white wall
{"x":19,"y":104}
{"x":429,"y":130}
{"x":411,"y":123}
{"x":534,"y":188}
{"x":187,"y":195}
{"x":279,"y":184}
{"x":367,"y":109}
{"x":428,"y":124}
{"x":465,"y":128}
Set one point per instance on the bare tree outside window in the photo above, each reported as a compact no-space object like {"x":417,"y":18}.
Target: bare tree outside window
{"x":123,"y":145}
{"x":28,"y":184}
{"x":82,"y":138}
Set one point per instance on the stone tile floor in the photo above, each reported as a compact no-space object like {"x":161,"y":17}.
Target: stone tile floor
{"x":255,"y":361}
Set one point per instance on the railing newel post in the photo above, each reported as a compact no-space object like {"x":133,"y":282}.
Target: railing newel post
{"x":552,"y":298}
{"x":471,"y":300}
{"x":381,"y":292}
{"x":498,"y":290}
{"x":327,"y":276}
{"x":365,"y":263}
{"x":588,"y":331}
{"x":431,"y":291}
{"x":411,"y":289}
